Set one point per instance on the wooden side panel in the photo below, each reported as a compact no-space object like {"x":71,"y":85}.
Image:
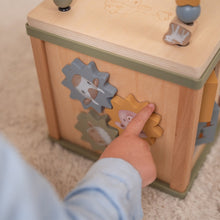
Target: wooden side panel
{"x":67,"y":108}
{"x":208,"y":98}
{"x":217,"y":71}
{"x":145,"y":88}
{"x":40,"y":57}
{"x":216,"y":80}
{"x":178,"y":106}
{"x":186,"y":128}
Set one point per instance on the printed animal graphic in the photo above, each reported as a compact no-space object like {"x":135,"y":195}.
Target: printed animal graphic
{"x":98,"y":135}
{"x":126,"y":117}
{"x":88,"y":85}
{"x":177,"y":35}
{"x":95,"y":129}
{"x":88,"y":89}
{"x":123,"y":112}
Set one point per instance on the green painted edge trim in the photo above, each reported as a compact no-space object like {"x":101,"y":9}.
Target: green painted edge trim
{"x":82,"y":151}
{"x":124,"y":61}
{"x":158,"y":184}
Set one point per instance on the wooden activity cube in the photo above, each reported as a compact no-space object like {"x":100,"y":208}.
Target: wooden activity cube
{"x":119,"y":46}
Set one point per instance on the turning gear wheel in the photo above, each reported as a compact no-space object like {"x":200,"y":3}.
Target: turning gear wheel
{"x":123,"y":112}
{"x":88,"y":85}
{"x":95,"y":129}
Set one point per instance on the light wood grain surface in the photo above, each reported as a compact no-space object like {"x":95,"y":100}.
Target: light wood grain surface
{"x":41,"y":64}
{"x":135,"y":30}
{"x":186,"y":128}
{"x":166,"y":95}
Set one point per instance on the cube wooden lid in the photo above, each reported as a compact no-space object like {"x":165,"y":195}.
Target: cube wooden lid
{"x":134,"y":29}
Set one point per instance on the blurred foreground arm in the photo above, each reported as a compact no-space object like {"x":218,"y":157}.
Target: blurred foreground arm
{"x":110,"y":190}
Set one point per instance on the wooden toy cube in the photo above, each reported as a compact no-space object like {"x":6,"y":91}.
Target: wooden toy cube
{"x":125,"y":40}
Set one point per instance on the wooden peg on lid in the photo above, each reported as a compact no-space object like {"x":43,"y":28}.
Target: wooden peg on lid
{"x":63,"y":5}
{"x":188,"y":2}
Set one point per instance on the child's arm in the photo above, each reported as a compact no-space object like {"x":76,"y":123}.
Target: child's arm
{"x":131,"y":148}
{"x":110,"y":190}
{"x":24,"y":194}
{"x":112,"y":187}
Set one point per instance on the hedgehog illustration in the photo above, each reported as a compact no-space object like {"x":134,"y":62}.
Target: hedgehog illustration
{"x":98,"y":135}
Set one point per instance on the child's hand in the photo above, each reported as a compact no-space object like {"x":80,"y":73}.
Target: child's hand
{"x":131,"y":148}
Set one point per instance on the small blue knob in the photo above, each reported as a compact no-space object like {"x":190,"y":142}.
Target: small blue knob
{"x":188,"y":14}
{"x":63,"y":5}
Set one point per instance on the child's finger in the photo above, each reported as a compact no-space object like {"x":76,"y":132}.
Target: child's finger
{"x":137,"y":124}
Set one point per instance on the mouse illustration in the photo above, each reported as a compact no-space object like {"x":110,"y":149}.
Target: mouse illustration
{"x":126,"y":117}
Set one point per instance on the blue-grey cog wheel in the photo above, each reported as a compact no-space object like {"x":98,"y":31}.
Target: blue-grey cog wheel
{"x":88,"y":85}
